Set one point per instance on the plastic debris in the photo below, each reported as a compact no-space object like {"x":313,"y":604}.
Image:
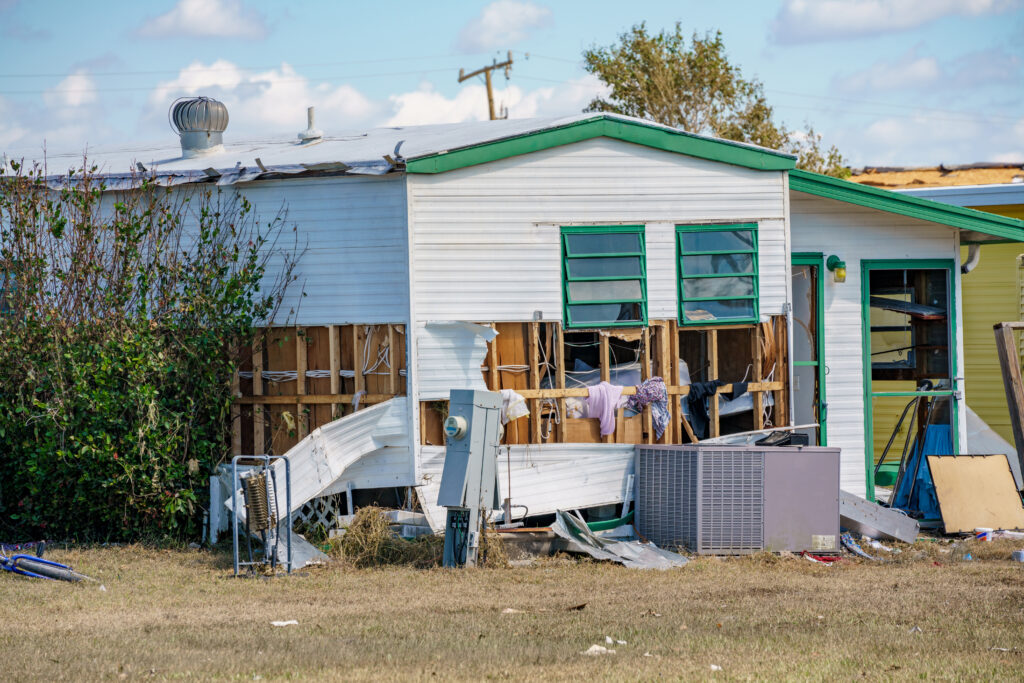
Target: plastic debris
{"x":916,"y":629}
{"x":855,"y":548}
{"x":611,"y":641}
{"x":290,"y":622}
{"x":511,"y":610}
{"x":715,"y":667}
{"x":597,"y":650}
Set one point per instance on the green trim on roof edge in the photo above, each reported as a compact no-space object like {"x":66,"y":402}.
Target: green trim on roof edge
{"x":680,"y":142}
{"x":1001,"y":227}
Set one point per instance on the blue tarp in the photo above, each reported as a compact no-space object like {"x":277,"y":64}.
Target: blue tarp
{"x":938,"y":440}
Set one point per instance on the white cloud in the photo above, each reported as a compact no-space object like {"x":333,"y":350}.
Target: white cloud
{"x":207,"y":19}
{"x":76,"y":90}
{"x":908,"y":72}
{"x":913,"y":71}
{"x":809,"y":21}
{"x":502,"y":24}
{"x":271,"y":101}
{"x":426,"y":105}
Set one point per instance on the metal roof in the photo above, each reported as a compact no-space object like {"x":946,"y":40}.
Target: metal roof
{"x":424,"y":149}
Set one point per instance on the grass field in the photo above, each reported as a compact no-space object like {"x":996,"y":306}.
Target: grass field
{"x":173,"y":614}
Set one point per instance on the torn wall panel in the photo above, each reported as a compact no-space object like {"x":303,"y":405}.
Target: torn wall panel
{"x":544,"y":478}
{"x":449,"y":356}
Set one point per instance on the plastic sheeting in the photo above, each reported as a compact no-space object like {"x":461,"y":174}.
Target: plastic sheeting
{"x":631,"y":553}
{"x":983,"y":440}
{"x":916,"y":490}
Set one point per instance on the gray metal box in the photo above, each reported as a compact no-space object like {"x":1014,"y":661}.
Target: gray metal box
{"x":731,"y":500}
{"x":470,"y":465}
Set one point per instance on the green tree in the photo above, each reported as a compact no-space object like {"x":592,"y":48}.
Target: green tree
{"x":119,"y":317}
{"x":695,"y":87}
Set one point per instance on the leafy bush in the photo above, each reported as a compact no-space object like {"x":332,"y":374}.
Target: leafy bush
{"x":121,"y":314}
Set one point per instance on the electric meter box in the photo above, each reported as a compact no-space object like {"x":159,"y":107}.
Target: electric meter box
{"x":472,"y":434}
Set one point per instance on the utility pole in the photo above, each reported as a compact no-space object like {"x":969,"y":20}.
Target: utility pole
{"x":486,"y":71}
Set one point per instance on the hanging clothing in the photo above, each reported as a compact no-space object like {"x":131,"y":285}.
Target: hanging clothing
{"x":602,"y":402}
{"x":697,"y":401}
{"x":652,"y":392}
{"x":513,"y":406}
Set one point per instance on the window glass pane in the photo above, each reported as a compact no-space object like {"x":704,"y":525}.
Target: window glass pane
{"x":597,"y":314}
{"x":805,"y":313}
{"x":722,"y":287}
{"x":603,"y":243}
{"x":718,"y":264}
{"x":604,"y":267}
{"x":725,"y":240}
{"x":607,"y":290}
{"x":696,"y":311}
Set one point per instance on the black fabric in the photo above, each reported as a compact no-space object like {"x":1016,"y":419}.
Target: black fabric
{"x":699,"y":391}
{"x":738,"y":389}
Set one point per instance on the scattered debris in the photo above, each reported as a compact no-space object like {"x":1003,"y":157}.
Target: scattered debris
{"x":576,"y":608}
{"x":916,"y":629}
{"x":855,"y":548}
{"x":290,"y":622}
{"x":511,"y":610}
{"x":875,"y":521}
{"x":597,"y":650}
{"x":609,"y":640}
{"x":715,"y":667}
{"x":632,"y":554}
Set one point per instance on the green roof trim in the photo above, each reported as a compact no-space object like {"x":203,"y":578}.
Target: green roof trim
{"x":1002,"y":228}
{"x":657,"y":137}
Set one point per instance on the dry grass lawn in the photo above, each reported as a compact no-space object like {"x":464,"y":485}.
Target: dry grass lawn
{"x":169,"y":614}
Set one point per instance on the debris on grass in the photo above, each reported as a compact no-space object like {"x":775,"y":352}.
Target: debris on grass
{"x":289,"y":622}
{"x":370,"y":542}
{"x":597,"y":650}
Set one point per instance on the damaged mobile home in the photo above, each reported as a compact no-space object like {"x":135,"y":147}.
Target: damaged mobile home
{"x":571,"y":261}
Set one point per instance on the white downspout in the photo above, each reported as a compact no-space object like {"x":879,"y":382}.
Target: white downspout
{"x":973,"y":256}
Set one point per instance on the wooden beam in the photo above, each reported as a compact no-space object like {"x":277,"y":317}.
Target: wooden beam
{"x":534,"y":341}
{"x":334,"y":337}
{"x":259,"y":436}
{"x":394,"y":377}
{"x":673,"y":365}
{"x":560,"y":380}
{"x":758,"y":361}
{"x":714,"y":428}
{"x":358,"y":344}
{"x":301,"y":364}
{"x":583,"y":392}
{"x":494,"y":383}
{"x":605,"y":358}
{"x":1012,"y":382}
{"x":645,"y":374}
{"x":688,"y":429}
{"x":313,"y":399}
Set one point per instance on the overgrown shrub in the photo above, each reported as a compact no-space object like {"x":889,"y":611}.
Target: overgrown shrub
{"x":121,"y":314}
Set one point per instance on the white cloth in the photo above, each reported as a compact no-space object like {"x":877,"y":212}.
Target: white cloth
{"x":513,"y":406}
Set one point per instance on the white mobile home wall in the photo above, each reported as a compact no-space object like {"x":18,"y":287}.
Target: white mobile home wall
{"x":485,"y":240}
{"x":854,"y":234}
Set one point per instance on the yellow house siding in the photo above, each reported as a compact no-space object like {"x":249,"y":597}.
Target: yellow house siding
{"x":991,"y":294}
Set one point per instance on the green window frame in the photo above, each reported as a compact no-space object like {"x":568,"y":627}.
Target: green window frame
{"x":695,"y":278}
{"x":584,"y":264}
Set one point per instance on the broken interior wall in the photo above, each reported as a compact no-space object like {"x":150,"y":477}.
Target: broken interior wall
{"x":299,"y":378}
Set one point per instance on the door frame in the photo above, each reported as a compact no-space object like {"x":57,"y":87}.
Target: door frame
{"x":817,"y":259}
{"x":866,"y":266}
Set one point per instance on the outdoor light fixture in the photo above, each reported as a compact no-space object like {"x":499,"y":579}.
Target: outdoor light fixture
{"x":837,"y":267}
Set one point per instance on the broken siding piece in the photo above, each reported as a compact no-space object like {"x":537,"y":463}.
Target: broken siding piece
{"x":449,"y":356}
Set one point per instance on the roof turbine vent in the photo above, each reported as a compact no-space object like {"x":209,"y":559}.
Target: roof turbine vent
{"x":200,"y":123}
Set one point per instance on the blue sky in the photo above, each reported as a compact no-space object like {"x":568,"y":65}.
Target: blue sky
{"x":890,"y":82}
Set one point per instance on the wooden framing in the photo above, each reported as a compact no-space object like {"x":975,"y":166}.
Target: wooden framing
{"x":516,"y":360}
{"x":302,"y":378}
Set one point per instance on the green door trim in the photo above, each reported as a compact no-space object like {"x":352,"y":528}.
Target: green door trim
{"x":866,"y":266}
{"x":817,"y":259}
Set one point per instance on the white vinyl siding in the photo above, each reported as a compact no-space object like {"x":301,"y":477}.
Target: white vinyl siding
{"x":486,"y":238}
{"x":854,"y":234}
{"x":353,"y":231}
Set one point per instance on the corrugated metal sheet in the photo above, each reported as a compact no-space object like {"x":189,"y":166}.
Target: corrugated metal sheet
{"x":855,"y":233}
{"x":544,"y":478}
{"x":449,"y":356}
{"x":322,"y":458}
{"x":355,"y":265}
{"x":486,"y":238}
{"x":992,"y":294}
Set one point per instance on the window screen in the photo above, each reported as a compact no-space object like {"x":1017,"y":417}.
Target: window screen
{"x":717,"y":273}
{"x":604,"y":276}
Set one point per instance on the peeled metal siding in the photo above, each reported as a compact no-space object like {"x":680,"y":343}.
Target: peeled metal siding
{"x":855,"y":233}
{"x":486,"y":238}
{"x":354,"y":233}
